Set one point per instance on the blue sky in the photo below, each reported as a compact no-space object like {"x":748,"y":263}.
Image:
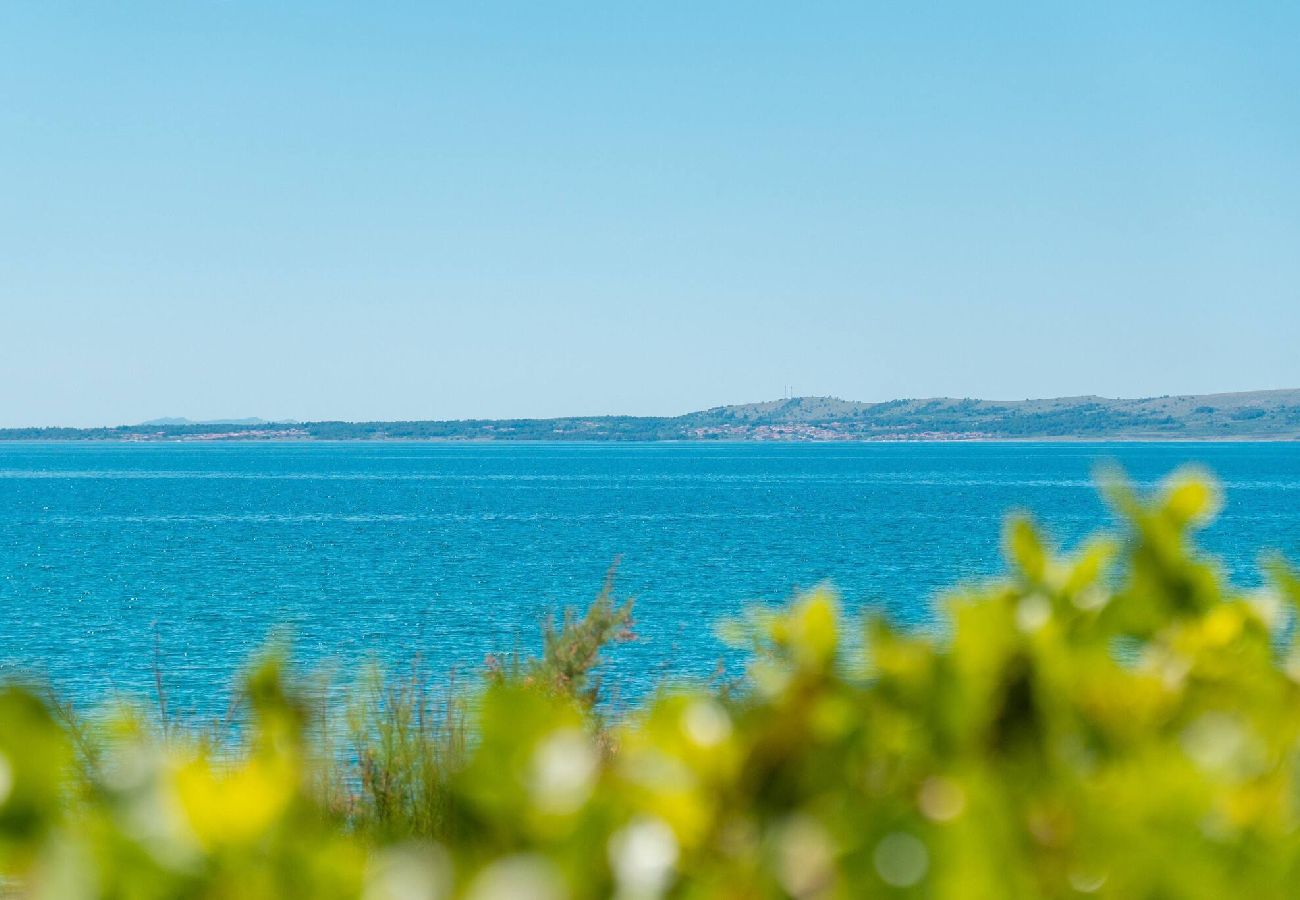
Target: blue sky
{"x":419,"y":210}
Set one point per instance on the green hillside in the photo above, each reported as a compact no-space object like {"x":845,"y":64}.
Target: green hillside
{"x":1258,"y":415}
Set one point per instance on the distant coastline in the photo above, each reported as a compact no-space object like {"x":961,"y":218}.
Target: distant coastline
{"x":1248,"y":416}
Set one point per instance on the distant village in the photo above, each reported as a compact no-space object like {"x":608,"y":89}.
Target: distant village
{"x":829,"y":431}
{"x":833,"y":431}
{"x":278,"y":434}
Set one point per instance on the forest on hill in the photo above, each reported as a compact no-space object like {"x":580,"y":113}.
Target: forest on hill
{"x":1258,"y":415}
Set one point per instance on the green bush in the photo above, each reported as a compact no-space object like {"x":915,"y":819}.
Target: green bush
{"x":1120,"y":722}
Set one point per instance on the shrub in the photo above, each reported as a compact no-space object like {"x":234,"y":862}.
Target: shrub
{"x":1118,"y":722}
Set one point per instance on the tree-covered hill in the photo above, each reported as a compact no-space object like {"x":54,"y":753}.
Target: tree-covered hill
{"x":1251,"y":415}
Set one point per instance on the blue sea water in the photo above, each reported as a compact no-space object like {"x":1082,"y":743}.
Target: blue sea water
{"x":110,"y":552}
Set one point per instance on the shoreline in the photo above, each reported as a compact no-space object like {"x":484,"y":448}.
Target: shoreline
{"x":1045,"y":439}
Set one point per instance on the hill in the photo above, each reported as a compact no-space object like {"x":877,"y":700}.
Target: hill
{"x":1254,"y":415}
{"x":184,"y":421}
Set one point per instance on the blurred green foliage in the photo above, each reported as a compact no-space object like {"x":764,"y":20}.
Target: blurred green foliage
{"x":1119,"y":722}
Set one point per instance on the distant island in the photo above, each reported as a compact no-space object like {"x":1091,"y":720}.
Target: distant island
{"x":1255,"y":415}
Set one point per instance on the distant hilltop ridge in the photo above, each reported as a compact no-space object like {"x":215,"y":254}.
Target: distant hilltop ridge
{"x":1254,"y":415}
{"x":176,"y":421}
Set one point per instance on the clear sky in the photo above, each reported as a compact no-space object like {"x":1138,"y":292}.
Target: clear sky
{"x":440,"y":210}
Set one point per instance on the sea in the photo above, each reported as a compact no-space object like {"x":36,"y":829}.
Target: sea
{"x":123,"y":563}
